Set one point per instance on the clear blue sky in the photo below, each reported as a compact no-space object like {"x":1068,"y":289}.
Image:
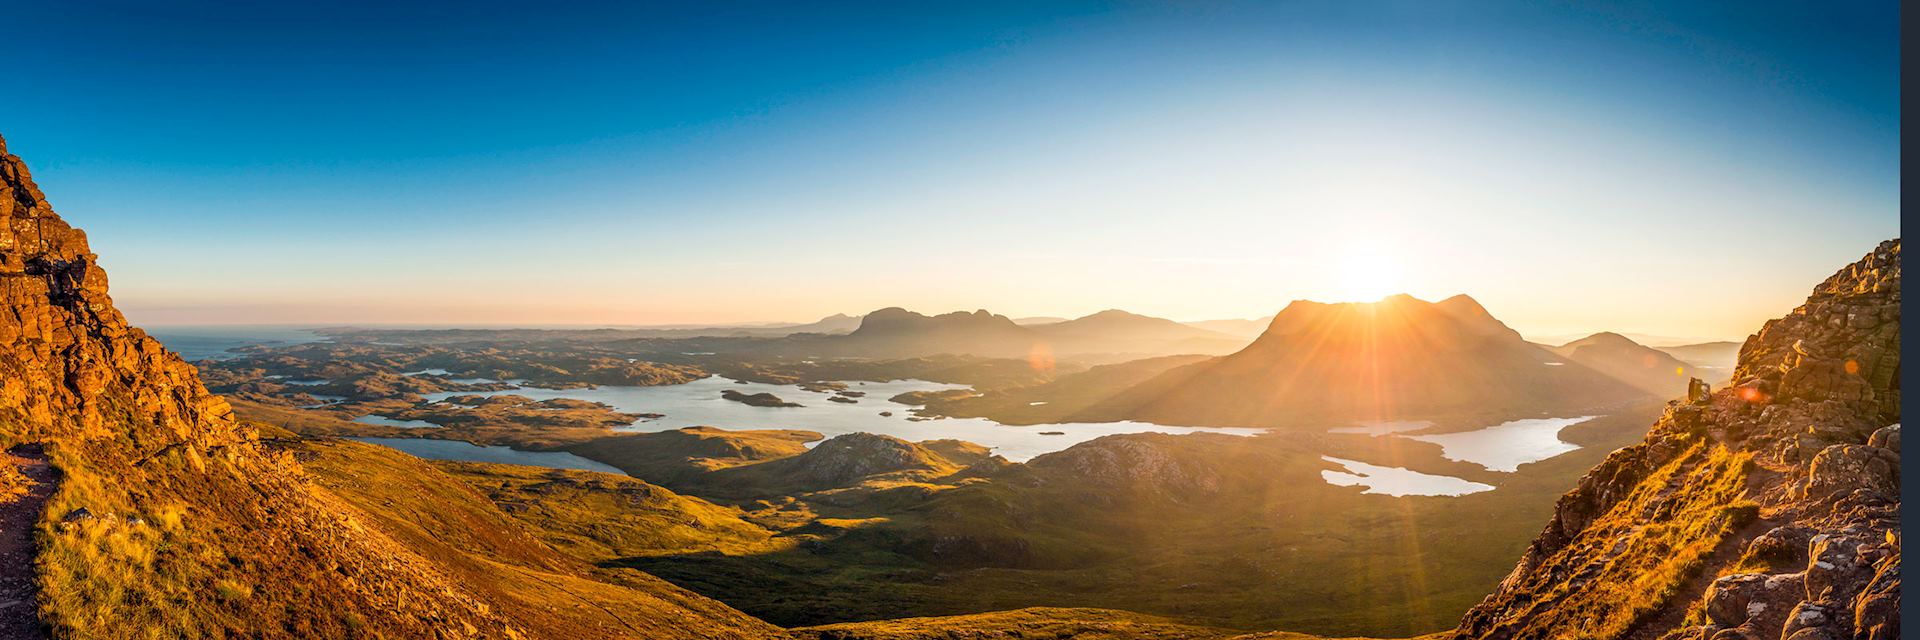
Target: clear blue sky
{"x":1687,"y":169}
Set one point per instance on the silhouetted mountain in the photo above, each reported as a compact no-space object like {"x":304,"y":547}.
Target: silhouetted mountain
{"x":1630,"y":362}
{"x":1400,"y":358}
{"x":898,"y":333}
{"x":1235,"y":326}
{"x":1718,"y":357}
{"x":1116,"y":331}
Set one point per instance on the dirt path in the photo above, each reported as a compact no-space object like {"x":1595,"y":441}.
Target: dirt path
{"x":18,"y":616}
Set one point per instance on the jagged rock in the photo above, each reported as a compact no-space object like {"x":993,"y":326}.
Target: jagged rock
{"x":1845,"y":467}
{"x":1698,"y":392}
{"x":77,"y":515}
{"x":1877,"y":610}
{"x":1810,"y":432}
{"x":1887,"y":437}
{"x":1783,"y":546}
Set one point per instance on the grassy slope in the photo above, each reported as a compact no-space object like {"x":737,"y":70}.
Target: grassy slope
{"x":599,"y":516}
{"x":489,"y":552}
{"x":1035,"y":622}
{"x":1253,"y":555}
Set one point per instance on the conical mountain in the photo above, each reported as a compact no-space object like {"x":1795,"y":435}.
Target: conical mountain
{"x":1399,"y":358}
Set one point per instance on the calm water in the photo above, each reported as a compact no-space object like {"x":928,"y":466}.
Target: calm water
{"x":394,"y":422}
{"x":467,"y":451}
{"x":1395,"y":481}
{"x":698,"y":403}
{"x":213,"y":342}
{"x":1506,"y":446}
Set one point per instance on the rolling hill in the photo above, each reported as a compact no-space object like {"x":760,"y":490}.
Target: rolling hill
{"x":1645,"y":367}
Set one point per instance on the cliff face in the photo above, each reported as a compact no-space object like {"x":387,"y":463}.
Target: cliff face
{"x":67,"y":358}
{"x":1769,"y":509}
{"x":172,"y":519}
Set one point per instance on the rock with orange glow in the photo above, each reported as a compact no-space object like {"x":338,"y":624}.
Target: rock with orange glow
{"x":1769,"y":512}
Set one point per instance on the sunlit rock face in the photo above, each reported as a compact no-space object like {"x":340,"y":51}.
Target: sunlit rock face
{"x":67,"y":358}
{"x":1768,"y":509}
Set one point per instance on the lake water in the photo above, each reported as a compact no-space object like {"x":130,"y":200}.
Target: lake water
{"x":698,"y":403}
{"x":1395,"y":481}
{"x":1506,"y":446}
{"x":395,"y":422}
{"x":213,"y":342}
{"x":467,"y":451}
{"x":1499,"y":448}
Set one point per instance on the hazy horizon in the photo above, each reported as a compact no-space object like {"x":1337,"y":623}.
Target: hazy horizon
{"x":1659,"y":170}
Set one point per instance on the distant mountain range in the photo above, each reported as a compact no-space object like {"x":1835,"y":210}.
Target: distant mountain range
{"x":1110,"y":335}
{"x":1719,"y":357}
{"x":1235,"y":326}
{"x":1399,"y":358}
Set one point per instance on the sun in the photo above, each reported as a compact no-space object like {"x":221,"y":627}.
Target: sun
{"x":1366,"y":276}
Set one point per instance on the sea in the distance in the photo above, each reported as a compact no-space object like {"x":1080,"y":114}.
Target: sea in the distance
{"x":216,"y":342}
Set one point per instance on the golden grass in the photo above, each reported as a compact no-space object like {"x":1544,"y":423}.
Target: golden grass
{"x":1636,"y":557}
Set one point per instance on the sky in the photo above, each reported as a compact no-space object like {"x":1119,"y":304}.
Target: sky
{"x":1686,"y":169}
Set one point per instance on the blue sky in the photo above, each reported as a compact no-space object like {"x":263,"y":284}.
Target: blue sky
{"x":1687,"y":169}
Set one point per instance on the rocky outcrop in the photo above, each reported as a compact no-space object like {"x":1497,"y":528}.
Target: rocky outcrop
{"x":849,"y":458}
{"x":68,"y":360}
{"x":1767,"y":510}
{"x":1139,"y":463}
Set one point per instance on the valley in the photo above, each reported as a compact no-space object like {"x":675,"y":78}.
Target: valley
{"x":949,"y":510}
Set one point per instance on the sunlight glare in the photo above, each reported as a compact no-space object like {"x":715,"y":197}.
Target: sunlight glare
{"x":1367,"y":276}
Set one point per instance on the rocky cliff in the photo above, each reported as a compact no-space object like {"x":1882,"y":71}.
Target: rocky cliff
{"x":171,"y":519}
{"x":1768,"y":509}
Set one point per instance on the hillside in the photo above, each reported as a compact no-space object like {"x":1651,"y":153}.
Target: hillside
{"x":1649,"y":369}
{"x":1400,"y":358}
{"x":1768,"y":509}
{"x":171,"y":518}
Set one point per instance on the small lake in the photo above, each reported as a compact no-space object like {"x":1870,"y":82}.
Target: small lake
{"x":1395,"y":481}
{"x":1506,"y":446}
{"x":469,"y":452}
{"x":395,"y":422}
{"x":698,"y":403}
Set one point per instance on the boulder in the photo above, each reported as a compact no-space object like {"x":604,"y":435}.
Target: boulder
{"x":1887,"y":437}
{"x":1844,"y":467}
